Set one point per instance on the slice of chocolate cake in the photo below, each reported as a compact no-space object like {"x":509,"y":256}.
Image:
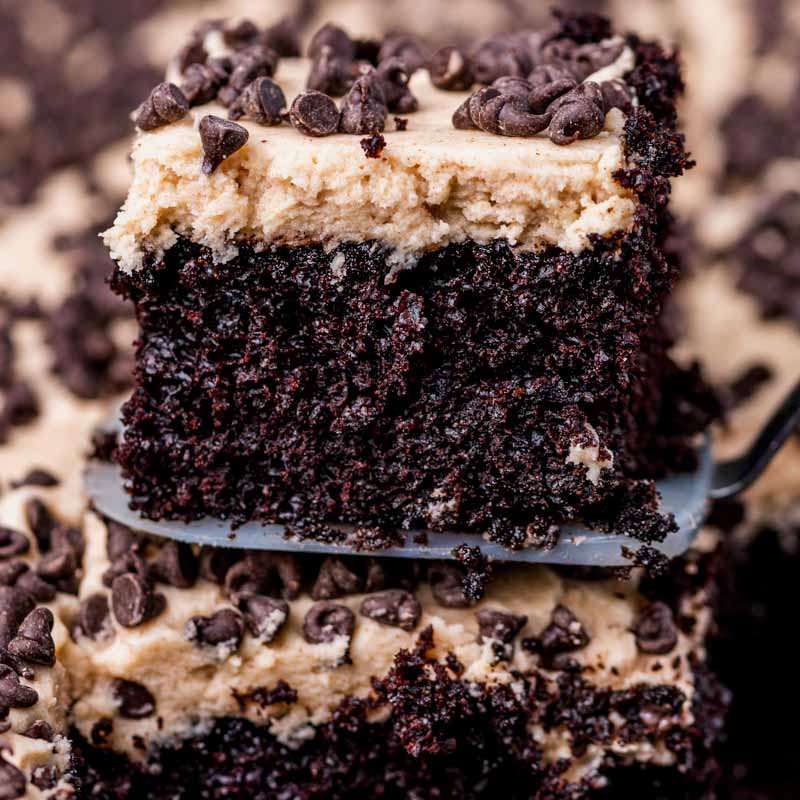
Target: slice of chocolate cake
{"x":433,"y":306}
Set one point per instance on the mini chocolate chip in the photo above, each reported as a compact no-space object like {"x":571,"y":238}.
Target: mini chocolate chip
{"x":67,"y":537}
{"x":220,"y":139}
{"x":273,"y":574}
{"x":216,"y":561}
{"x":36,"y":477}
{"x":120,"y":540}
{"x":133,"y":600}
{"x":95,"y":616}
{"x":655,"y":630}
{"x":564,"y":634}
{"x":314,"y":114}
{"x":405,"y":48}
{"x":21,"y":404}
{"x":201,"y":83}
{"x":336,"y":578}
{"x":13,"y":694}
{"x":6,"y":356}
{"x":331,"y":74}
{"x":327,"y":621}
{"x":515,"y":119}
{"x":193,"y":52}
{"x":741,"y":389}
{"x":449,"y":70}
{"x":57,"y":564}
{"x":461,"y":118}
{"x":39,"y":729}
{"x":40,"y":521}
{"x":616,"y":94}
{"x":283,"y":37}
{"x":134,"y":700}
{"x":38,"y":588}
{"x":11,"y":570}
{"x":332,"y":37}
{"x":255,"y":61}
{"x":447,"y":585}
{"x":394,"y":607}
{"x":176,"y":565}
{"x":223,"y":629}
{"x":34,"y":640}
{"x":265,"y":616}
{"x":497,"y":56}
{"x":578,"y":114}
{"x":363,"y":111}
{"x":45,"y":777}
{"x":165,"y":104}
{"x":499,"y":626}
{"x":13,"y":543}
{"x":239,"y":33}
{"x":393,"y":76}
{"x":592,"y":56}
{"x":130,"y":562}
{"x":13,"y":783}
{"x":544,"y":74}
{"x":15,"y":605}
{"x":262,"y":101}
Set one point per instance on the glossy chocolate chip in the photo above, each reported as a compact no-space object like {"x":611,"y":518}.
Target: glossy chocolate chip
{"x":220,"y":138}
{"x":34,"y":640}
{"x":165,"y":104}
{"x":394,"y":607}
{"x":13,"y":694}
{"x":264,"y":616}
{"x":450,"y":70}
{"x":255,"y":61}
{"x":447,"y":585}
{"x":499,"y":626}
{"x":13,"y":543}
{"x":363,"y":111}
{"x":15,"y":605}
{"x":224,"y":629}
{"x":262,"y":101}
{"x":578,"y":114}
{"x":176,"y":565}
{"x":133,"y":600}
{"x":314,"y":114}
{"x":120,"y":540}
{"x":94,"y":616}
{"x":564,"y":634}
{"x":272,"y":574}
{"x":655,"y":630}
{"x":134,"y":700}
{"x":327,"y":621}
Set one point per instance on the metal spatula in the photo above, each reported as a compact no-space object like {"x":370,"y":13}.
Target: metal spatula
{"x":687,"y":496}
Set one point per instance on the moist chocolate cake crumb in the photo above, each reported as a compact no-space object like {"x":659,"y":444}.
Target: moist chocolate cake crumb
{"x":477,"y":570}
{"x":373,"y":146}
{"x":400,"y":123}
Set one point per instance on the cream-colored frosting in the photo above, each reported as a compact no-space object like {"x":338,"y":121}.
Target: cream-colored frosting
{"x":432,"y":185}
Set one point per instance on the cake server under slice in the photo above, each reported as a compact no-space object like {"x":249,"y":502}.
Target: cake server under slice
{"x":687,"y":496}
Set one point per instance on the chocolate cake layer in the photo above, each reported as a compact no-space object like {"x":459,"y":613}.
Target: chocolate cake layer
{"x":482,"y":390}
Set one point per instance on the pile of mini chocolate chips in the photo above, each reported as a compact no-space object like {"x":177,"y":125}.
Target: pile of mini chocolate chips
{"x":530,"y":82}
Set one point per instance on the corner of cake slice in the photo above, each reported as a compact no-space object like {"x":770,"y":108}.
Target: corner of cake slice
{"x":434,"y":303}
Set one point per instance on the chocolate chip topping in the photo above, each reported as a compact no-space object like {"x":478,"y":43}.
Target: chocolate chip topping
{"x":744,"y":386}
{"x":447,"y":585}
{"x":11,"y":570}
{"x":336,"y":578}
{"x":36,"y":477}
{"x":564,"y":634}
{"x":216,"y":561}
{"x":405,"y":48}
{"x":616,"y":94}
{"x":45,"y":777}
{"x":333,"y":67}
{"x":450,"y":70}
{"x":262,"y":101}
{"x":394,"y":607}
{"x":12,"y":693}
{"x":39,"y":729}
{"x":499,"y":56}
{"x":220,"y":139}
{"x":255,"y":61}
{"x":134,"y":700}
{"x":283,"y":37}
{"x":40,"y":521}
{"x":34,"y":640}
{"x":165,"y":104}
{"x":334,"y":39}
{"x":176,"y":565}
{"x":327,"y":621}
{"x":133,"y":600}
{"x":13,"y":783}
{"x":21,"y":406}
{"x":314,"y":114}
{"x":201,"y":82}
{"x":224,"y":629}
{"x":499,"y":626}
{"x":393,"y":74}
{"x":15,"y":605}
{"x":265,"y":616}
{"x":12,"y":543}
{"x":94,"y":616}
{"x":272,"y":574}
{"x":655,"y":630}
{"x":578,"y":114}
{"x":364,"y":110}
